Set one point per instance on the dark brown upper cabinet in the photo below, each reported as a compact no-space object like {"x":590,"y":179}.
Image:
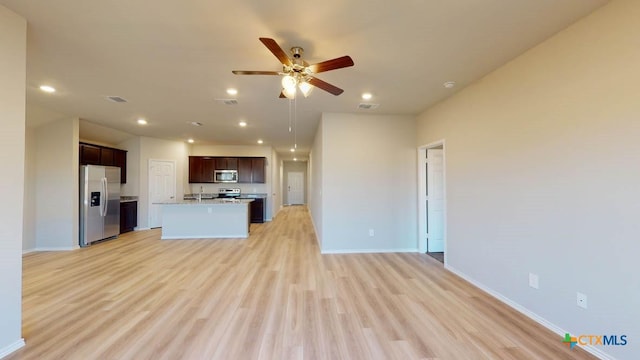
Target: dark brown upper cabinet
{"x":244,"y":170}
{"x":226,"y":163}
{"x":250,"y":169}
{"x":208,"y":167}
{"x":91,"y":154}
{"x":195,"y":169}
{"x":257,"y":170}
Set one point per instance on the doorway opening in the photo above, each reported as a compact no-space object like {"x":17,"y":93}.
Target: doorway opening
{"x":432,"y":200}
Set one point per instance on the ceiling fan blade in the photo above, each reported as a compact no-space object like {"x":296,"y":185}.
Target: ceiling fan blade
{"x":273,"y":46}
{"x":332,"y":64}
{"x":325,"y":86}
{"x":242,"y":72}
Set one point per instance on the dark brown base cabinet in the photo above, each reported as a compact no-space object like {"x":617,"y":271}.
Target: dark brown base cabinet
{"x":128,"y":216}
{"x":91,"y":154}
{"x":257,"y":210}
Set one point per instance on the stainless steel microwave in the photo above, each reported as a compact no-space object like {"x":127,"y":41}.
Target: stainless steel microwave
{"x":225,"y":176}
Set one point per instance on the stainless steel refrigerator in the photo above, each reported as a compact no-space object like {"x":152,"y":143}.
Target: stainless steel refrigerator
{"x":99,"y":203}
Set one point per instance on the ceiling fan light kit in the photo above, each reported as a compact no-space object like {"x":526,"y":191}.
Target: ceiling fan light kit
{"x":297,"y":74}
{"x":305,"y":88}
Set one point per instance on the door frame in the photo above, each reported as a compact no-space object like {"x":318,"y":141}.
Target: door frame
{"x":175,"y":185}
{"x":422,"y":208}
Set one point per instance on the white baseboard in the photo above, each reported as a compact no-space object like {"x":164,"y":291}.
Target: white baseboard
{"x":24,"y":252}
{"x":230,"y":237}
{"x":56,"y":248}
{"x":315,"y":231}
{"x":141,"y":228}
{"x":368,"y":251}
{"x":530,"y":314}
{"x":11,"y":348}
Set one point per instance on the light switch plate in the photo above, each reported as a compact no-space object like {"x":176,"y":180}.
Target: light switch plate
{"x":533,"y":280}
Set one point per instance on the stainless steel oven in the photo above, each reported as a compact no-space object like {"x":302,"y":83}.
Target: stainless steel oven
{"x":225,"y":176}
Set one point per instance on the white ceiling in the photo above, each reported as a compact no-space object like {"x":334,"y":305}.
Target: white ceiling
{"x":172,"y":59}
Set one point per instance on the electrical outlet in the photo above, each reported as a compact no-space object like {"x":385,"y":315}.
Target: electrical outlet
{"x":581,"y":300}
{"x":533,"y":280}
{"x":371,"y":232}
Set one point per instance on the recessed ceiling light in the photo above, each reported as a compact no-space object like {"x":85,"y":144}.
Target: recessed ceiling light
{"x":48,"y":89}
{"x":449,"y":84}
{"x":195,"y":123}
{"x":142,"y":121}
{"x":260,"y":141}
{"x":367,"y":96}
{"x":242,"y":123}
{"x":292,"y":150}
{"x":232,"y":91}
{"x":295,"y":159}
{"x":190,"y":141}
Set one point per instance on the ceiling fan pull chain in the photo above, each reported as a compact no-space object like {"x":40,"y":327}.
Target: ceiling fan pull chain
{"x":289,"y":115}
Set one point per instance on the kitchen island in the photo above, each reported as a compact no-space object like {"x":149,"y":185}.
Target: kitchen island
{"x":204,"y":219}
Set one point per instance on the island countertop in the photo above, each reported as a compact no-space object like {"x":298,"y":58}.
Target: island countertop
{"x":206,"y":202}
{"x":205,"y":219}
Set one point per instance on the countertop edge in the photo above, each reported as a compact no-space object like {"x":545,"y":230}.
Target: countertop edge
{"x":206,"y":202}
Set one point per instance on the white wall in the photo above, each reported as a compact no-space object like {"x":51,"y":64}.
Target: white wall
{"x":13,"y":50}
{"x":57,"y":173}
{"x":543,"y":169}
{"x":29,"y":218}
{"x":132,"y":186}
{"x":157,"y":149}
{"x":368,"y":182}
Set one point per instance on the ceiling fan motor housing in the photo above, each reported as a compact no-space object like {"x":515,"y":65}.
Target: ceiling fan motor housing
{"x":297,"y":51}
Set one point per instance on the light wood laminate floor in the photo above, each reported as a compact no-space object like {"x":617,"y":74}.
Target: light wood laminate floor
{"x":272,"y":296}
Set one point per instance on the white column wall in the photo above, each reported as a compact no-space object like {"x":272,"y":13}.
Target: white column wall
{"x":29,"y":218}
{"x":368,"y":183}
{"x":57,"y":198}
{"x":276,"y":185}
{"x":13,"y":50}
{"x":316,"y":204}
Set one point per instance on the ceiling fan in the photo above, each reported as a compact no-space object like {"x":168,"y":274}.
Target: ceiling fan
{"x":298,"y":73}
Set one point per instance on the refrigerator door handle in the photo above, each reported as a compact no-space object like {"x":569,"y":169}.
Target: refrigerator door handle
{"x":101,"y":197}
{"x":105,"y":192}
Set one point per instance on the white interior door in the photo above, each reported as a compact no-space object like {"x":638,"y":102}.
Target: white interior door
{"x":162,"y":188}
{"x":435,"y":200}
{"x":295,"y":188}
